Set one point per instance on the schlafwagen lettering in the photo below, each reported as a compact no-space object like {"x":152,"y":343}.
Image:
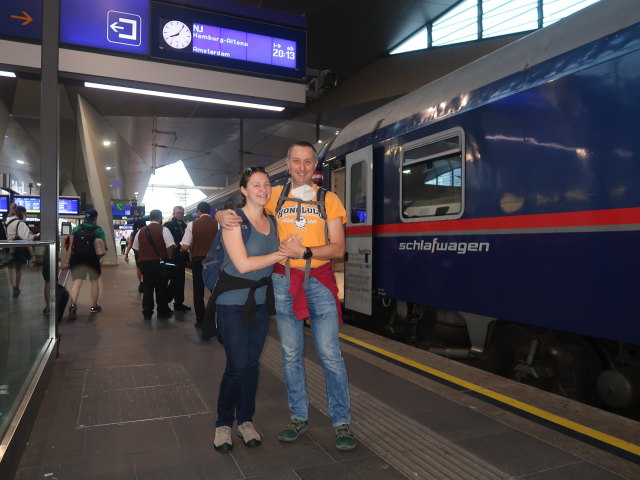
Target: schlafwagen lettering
{"x":435,"y":246}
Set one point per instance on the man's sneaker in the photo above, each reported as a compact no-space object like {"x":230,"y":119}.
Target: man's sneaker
{"x":222,"y":440}
{"x":141,"y":287}
{"x":247,"y":432}
{"x":95,"y":309}
{"x":344,"y":438}
{"x":72,"y":311}
{"x":293,"y":430}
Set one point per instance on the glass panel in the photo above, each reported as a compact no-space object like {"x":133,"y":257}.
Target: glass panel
{"x":554,"y":10}
{"x":501,"y":17}
{"x":459,"y":25}
{"x":432,"y":149}
{"x":417,"y":41}
{"x":358,"y":190}
{"x":24,"y":323}
{"x":433,"y":186}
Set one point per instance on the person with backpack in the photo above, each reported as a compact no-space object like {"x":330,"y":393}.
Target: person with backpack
{"x":244,"y":302}
{"x":311,"y":230}
{"x":17,"y":229}
{"x":84,"y":262}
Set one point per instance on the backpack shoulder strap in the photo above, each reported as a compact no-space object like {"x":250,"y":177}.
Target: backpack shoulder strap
{"x":284,"y":193}
{"x":322,"y":193}
{"x":245,"y":227}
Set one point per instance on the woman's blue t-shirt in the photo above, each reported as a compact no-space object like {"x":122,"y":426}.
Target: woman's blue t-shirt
{"x":258,"y":244}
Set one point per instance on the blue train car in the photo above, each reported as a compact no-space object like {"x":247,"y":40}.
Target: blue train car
{"x":494,"y":214}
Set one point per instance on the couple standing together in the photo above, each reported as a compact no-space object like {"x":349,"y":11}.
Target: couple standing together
{"x":302,"y":285}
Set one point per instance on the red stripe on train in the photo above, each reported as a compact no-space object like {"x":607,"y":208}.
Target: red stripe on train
{"x":618,"y":216}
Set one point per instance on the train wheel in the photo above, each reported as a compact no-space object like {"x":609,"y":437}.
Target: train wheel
{"x":563,"y":364}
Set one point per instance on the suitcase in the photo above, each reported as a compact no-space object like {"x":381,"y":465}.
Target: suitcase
{"x":62,"y":295}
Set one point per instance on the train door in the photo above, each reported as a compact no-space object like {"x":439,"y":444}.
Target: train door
{"x":337,"y":186}
{"x":358,"y":272}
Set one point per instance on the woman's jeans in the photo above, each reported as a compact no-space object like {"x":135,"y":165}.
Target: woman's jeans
{"x":243,"y":345}
{"x":325,"y":329}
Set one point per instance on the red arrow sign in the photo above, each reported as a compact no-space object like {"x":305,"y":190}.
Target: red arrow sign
{"x":27,"y":18}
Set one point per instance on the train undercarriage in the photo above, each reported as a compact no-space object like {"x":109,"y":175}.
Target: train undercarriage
{"x":594,"y":371}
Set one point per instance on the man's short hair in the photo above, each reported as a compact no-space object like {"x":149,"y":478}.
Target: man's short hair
{"x":204,"y":207}
{"x":155,"y":215}
{"x":306,"y":144}
{"x":179,"y":207}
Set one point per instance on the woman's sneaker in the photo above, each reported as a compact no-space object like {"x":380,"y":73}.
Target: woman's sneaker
{"x":249,"y":435}
{"x":72,"y":311}
{"x":95,"y":309}
{"x":222,"y":441}
{"x":293,"y":430}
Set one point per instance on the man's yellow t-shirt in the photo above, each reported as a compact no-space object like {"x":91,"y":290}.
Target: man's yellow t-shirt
{"x":311,"y":228}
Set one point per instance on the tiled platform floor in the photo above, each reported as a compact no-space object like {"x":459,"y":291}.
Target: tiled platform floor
{"x":136,"y":400}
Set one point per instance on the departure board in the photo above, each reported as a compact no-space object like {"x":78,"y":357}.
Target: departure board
{"x":69,"y":205}
{"x":31,"y":203}
{"x":4,"y":203}
{"x":195,"y":36}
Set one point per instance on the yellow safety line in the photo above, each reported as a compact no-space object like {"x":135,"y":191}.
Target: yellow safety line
{"x":550,"y":417}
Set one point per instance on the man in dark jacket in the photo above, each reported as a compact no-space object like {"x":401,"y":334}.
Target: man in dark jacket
{"x":175,"y":289}
{"x":154,"y":243}
{"x":198,"y":237}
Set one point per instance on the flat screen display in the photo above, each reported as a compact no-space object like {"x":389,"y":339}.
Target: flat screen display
{"x":4,"y":203}
{"x":68,"y":205}
{"x":31,"y":203}
{"x":194,"y":36}
{"x":121,"y":210}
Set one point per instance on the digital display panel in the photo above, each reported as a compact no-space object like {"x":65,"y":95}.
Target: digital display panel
{"x":31,"y":203}
{"x":4,"y":203}
{"x":228,"y":43}
{"x":194,"y":36}
{"x":69,"y":205}
{"x":125,"y":211}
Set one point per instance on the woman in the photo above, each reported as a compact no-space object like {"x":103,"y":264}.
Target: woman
{"x":17,"y":229}
{"x":244,"y":334}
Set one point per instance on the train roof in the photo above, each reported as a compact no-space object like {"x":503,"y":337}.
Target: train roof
{"x":581,"y":28}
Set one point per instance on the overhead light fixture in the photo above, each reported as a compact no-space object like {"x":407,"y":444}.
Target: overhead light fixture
{"x":7,"y":74}
{"x":180,"y":96}
{"x":106,"y":143}
{"x":107,"y":168}
{"x":21,"y":162}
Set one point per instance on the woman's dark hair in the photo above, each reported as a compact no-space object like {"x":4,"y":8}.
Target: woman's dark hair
{"x":244,"y":180}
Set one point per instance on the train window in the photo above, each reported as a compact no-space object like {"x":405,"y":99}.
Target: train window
{"x":358,"y":190}
{"x":432,"y":179}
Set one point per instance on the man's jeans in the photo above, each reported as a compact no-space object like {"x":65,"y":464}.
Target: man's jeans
{"x":243,"y":345}
{"x":325,"y":329}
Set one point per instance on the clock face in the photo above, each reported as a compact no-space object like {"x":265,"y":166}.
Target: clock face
{"x":176,"y":34}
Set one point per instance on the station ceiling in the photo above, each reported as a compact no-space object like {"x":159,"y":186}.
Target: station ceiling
{"x":214,"y":142}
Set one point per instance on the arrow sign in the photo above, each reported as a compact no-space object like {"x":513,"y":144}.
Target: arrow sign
{"x":27,"y":18}
{"x":115,"y":27}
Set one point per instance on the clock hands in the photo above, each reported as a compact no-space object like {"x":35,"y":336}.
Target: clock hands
{"x":176,"y":34}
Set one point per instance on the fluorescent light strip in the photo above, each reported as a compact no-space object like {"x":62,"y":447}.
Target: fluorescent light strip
{"x":179,"y":96}
{"x":7,"y":74}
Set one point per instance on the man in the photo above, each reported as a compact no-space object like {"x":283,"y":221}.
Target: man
{"x":84,"y":262}
{"x":17,"y":229}
{"x":154,"y":243}
{"x":309,"y":248}
{"x":175,"y":289}
{"x":198,"y":237}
